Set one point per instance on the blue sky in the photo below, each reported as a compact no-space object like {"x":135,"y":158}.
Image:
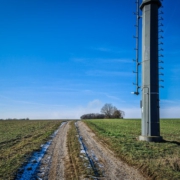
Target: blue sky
{"x":64,"y":58}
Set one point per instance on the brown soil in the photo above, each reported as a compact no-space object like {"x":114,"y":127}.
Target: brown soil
{"x":52,"y":165}
{"x":113,"y":168}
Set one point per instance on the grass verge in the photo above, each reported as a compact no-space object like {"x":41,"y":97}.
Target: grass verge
{"x":155,"y":160}
{"x":18,"y":139}
{"x":77,"y":164}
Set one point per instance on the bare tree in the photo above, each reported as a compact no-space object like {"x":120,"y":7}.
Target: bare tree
{"x":108,"y":110}
{"x":93,"y":116}
{"x":118,"y":114}
{"x":122,"y":114}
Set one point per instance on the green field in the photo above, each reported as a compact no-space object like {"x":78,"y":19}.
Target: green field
{"x":18,"y":139}
{"x":155,"y":160}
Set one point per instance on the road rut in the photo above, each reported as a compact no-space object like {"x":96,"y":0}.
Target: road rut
{"x":53,"y":164}
{"x":113,"y":168}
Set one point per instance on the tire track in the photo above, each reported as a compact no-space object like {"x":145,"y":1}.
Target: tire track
{"x":53,"y":164}
{"x":111,"y":167}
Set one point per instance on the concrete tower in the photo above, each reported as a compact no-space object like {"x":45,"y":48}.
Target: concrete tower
{"x":150,"y":72}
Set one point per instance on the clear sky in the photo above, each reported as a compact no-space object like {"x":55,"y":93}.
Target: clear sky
{"x":64,"y":58}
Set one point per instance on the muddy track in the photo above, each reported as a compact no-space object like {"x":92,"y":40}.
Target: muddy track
{"x":111,"y":167}
{"x":53,"y":163}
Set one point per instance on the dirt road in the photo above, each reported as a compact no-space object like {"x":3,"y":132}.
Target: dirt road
{"x":111,"y":167}
{"x":53,"y":164}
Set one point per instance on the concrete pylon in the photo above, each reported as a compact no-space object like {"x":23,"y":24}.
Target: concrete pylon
{"x":150,"y":72}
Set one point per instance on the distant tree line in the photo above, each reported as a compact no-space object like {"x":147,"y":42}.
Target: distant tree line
{"x":23,"y":119}
{"x":108,"y":111}
{"x":93,"y":116}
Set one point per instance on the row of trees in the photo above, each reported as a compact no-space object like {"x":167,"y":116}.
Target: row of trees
{"x":93,"y":116}
{"x":23,"y":119}
{"x":108,"y":111}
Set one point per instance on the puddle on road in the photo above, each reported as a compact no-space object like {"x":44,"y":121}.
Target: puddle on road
{"x":29,"y":170}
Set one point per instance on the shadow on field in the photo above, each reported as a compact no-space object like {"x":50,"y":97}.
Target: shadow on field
{"x":172,"y":142}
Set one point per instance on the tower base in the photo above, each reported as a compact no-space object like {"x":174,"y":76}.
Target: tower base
{"x":151,"y":138}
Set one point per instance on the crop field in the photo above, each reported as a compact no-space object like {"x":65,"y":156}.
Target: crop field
{"x":18,"y":139}
{"x":155,"y":160}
